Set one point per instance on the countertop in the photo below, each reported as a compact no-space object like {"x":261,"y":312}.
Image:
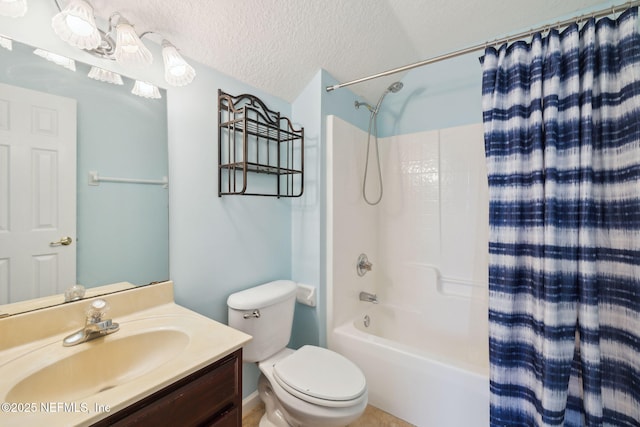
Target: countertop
{"x":208,"y":342}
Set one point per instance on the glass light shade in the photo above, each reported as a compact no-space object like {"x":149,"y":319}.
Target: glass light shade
{"x":13,"y":8}
{"x":63,"y":61}
{"x":129,"y":47}
{"x":103,"y":75}
{"x":6,"y":43}
{"x":176,"y":70}
{"x":146,"y":90}
{"x":76,"y":25}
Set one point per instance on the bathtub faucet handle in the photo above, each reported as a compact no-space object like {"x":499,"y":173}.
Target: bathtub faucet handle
{"x":363,"y":265}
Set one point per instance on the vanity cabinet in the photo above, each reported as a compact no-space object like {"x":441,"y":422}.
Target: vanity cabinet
{"x":211,"y":396}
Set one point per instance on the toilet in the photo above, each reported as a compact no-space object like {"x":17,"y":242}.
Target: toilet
{"x":311,"y":386}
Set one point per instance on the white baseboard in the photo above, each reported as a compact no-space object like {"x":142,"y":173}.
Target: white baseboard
{"x":250,"y":402}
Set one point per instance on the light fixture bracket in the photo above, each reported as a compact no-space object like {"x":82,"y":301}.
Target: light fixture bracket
{"x":106,"y":48}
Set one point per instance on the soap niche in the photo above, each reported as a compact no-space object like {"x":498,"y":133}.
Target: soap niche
{"x":260,"y":153}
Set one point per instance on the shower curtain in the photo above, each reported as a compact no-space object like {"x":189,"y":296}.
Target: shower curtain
{"x":562,"y":138}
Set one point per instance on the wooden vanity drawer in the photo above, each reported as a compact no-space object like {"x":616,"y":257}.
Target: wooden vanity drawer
{"x":229,"y":420}
{"x":209,"y":397}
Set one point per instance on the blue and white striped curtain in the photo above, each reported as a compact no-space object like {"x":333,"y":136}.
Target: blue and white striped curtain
{"x":562,"y":139}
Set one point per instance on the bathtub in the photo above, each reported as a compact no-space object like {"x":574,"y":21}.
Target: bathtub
{"x":430,"y":377}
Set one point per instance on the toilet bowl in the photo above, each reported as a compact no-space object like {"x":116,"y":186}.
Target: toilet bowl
{"x":311,"y":386}
{"x":329,"y":391}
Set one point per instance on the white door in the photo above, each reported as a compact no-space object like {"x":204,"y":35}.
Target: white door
{"x":37,"y":193}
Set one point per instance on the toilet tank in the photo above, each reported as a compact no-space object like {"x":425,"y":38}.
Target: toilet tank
{"x":266,"y":313}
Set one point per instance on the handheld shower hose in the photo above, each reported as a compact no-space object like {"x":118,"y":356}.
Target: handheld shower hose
{"x":373,"y":129}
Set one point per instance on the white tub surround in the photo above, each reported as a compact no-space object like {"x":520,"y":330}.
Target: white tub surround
{"x":424,"y":346}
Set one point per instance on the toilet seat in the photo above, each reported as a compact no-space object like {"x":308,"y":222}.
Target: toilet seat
{"x":320,"y":376}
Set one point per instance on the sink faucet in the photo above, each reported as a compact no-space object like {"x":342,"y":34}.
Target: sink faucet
{"x":366,"y":296}
{"x":95,"y":325}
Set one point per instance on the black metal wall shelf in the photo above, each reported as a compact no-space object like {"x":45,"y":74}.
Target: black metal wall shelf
{"x":255,"y":139}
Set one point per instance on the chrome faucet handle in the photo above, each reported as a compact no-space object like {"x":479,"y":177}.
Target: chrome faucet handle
{"x":74,"y":293}
{"x":95,"y":326}
{"x":363,"y":265}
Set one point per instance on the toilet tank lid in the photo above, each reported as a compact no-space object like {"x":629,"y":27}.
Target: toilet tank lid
{"x":263,"y":295}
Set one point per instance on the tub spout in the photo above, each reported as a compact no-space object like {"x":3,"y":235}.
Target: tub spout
{"x":366,"y":296}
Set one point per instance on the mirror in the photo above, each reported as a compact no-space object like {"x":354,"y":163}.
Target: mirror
{"x":122,"y":229}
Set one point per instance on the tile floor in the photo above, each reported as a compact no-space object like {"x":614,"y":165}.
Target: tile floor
{"x":372,"y":417}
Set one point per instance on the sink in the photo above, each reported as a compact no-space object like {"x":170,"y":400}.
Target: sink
{"x":96,"y":366}
{"x":158,"y":344}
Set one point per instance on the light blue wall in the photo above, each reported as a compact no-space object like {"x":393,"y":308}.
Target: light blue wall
{"x":218,"y":245}
{"x":306,"y":217}
{"x":441,"y":95}
{"x":222,"y":245}
{"x":122,"y":229}
{"x":311,"y":108}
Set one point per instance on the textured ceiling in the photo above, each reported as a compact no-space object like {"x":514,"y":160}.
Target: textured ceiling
{"x":279,"y":45}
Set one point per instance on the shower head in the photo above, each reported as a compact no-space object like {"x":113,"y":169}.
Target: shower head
{"x":393,"y":88}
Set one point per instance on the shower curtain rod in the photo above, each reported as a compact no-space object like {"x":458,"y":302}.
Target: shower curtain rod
{"x":513,"y":37}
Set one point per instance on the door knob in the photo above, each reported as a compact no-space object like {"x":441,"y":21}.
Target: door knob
{"x":64,"y":241}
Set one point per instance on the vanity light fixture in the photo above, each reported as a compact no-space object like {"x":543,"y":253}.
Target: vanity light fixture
{"x":6,"y":43}
{"x":129,"y":47}
{"x":176,"y":70}
{"x":107,"y":76}
{"x":13,"y":8}
{"x":63,"y":61}
{"x":76,"y":25}
{"x":146,"y":90}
